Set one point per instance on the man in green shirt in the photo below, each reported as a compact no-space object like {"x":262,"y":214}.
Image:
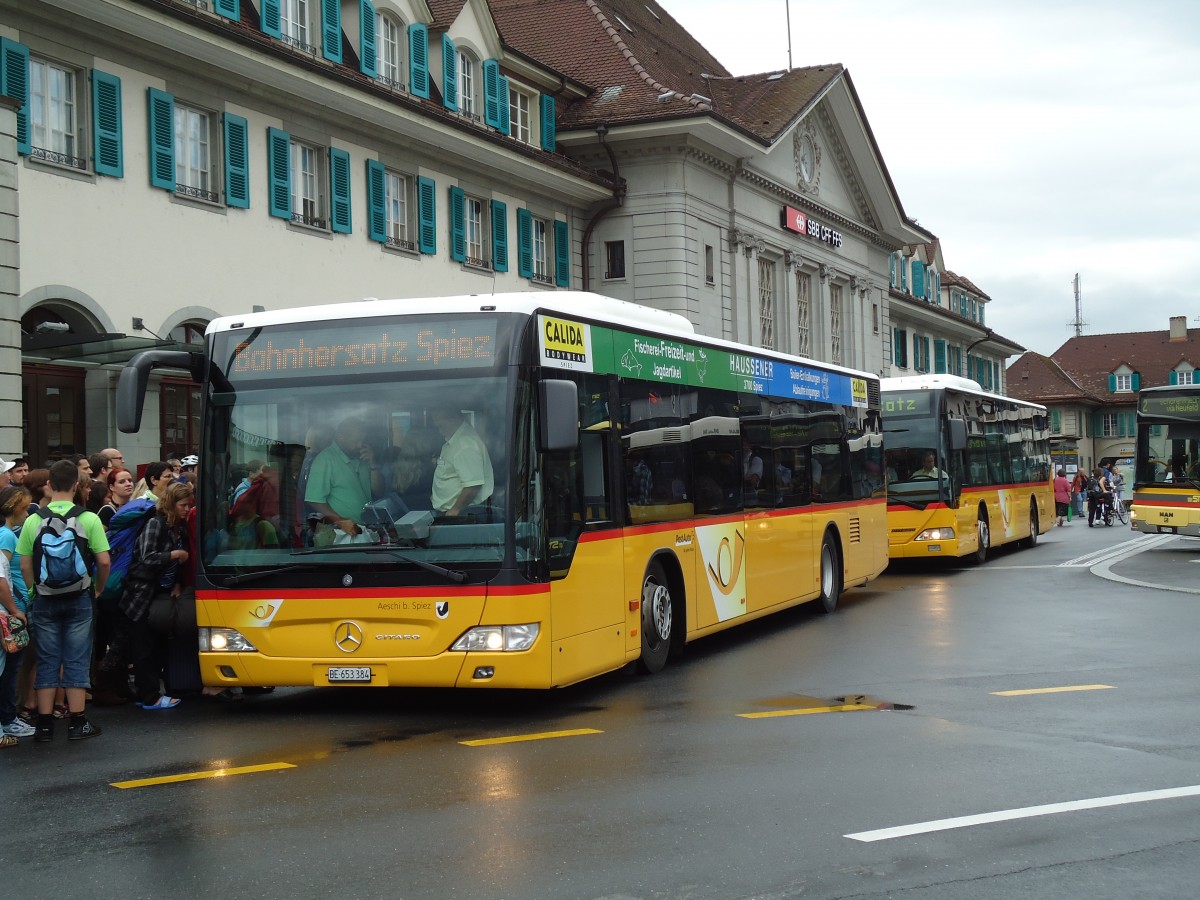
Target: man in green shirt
{"x":344,"y":477}
{"x":62,"y":622}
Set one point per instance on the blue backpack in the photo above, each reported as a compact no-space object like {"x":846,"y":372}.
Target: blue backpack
{"x":62,"y":560}
{"x":124,"y":528}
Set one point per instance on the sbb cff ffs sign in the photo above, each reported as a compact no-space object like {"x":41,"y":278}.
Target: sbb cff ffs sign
{"x":800,"y":223}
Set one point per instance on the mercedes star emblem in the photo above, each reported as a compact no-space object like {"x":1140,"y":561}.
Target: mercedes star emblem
{"x":348,"y":637}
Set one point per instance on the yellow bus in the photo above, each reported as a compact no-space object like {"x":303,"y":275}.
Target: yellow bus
{"x":967,"y":470}
{"x":648,"y":487}
{"x":1166,"y":482}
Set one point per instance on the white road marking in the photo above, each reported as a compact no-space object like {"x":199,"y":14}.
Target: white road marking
{"x":1029,"y":812}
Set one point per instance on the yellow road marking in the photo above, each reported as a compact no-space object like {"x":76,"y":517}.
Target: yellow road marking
{"x":198,"y":776}
{"x":517,"y":738}
{"x":1055,"y":690}
{"x":808,"y":711}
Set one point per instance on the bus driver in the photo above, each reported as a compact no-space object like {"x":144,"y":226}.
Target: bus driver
{"x":463,"y":476}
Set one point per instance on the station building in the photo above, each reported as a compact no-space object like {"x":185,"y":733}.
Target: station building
{"x":164,"y":162}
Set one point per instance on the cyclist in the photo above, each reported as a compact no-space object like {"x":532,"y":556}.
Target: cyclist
{"x":1099,"y":493}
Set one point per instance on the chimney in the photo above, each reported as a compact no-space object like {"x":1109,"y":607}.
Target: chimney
{"x":1178,"y":330}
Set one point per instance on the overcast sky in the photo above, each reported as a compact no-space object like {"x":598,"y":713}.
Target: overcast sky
{"x":1035,"y":139}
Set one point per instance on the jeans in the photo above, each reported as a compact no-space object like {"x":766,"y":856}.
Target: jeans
{"x":62,"y":628}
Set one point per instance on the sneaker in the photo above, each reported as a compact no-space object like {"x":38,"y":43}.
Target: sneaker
{"x":45,"y":729}
{"x":18,"y":727}
{"x":84,"y":729}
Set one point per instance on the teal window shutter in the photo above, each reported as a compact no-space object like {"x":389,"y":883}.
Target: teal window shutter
{"x":1135,"y":381}
{"x":162,"y":138}
{"x":368,"y":58}
{"x":279,"y":174}
{"x":340,"y":218}
{"x":427,"y":209}
{"x":449,"y":74}
{"x":916,"y":352}
{"x":892,"y":267}
{"x":376,"y":201}
{"x":331,"y":30}
{"x":903,"y":275}
{"x":939,"y":356}
{"x":499,"y":236}
{"x":524,"y":243}
{"x":270,"y":19}
{"x":458,"y":231}
{"x":237,"y":162}
{"x":491,"y":93}
{"x":562,"y":253}
{"x":1112,"y":384}
{"x":14,"y":83}
{"x":918,"y":278}
{"x":108,"y":153}
{"x":1174,"y":377}
{"x":418,"y":59}
{"x":549,"y":137}
{"x":229,"y":9}
{"x":505,"y":125}
{"x":1055,"y":421}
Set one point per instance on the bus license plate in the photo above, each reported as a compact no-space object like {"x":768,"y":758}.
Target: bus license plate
{"x":350,"y":674}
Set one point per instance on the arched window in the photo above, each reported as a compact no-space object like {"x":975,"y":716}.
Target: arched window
{"x":188,"y":333}
{"x":389,"y":43}
{"x":468,"y":84}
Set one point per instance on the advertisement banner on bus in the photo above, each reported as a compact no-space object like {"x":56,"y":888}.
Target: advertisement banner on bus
{"x":578,"y":346}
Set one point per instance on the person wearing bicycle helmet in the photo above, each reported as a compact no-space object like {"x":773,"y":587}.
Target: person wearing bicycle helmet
{"x":190,"y":462}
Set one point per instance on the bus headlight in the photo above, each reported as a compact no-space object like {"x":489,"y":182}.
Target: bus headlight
{"x":936,"y":534}
{"x":497,"y":638}
{"x":224,"y":640}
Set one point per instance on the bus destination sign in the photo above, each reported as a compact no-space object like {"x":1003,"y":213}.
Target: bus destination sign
{"x":381,"y":347}
{"x":906,"y":403}
{"x":1168,"y":405}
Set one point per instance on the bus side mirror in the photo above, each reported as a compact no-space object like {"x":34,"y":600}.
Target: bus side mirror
{"x":958,"y":434}
{"x":559,"y":419}
{"x":135,"y":378}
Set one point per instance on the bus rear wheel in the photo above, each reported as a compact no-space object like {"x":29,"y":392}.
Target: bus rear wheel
{"x":658,"y":619}
{"x":1034,"y":525}
{"x":831,"y":574}
{"x":985,"y":539}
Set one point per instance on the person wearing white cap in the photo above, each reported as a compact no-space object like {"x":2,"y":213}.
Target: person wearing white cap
{"x":5,"y":468}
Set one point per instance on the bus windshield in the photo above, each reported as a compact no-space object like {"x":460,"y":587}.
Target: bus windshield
{"x":914,"y":476}
{"x":322,"y":452}
{"x":1168,"y":452}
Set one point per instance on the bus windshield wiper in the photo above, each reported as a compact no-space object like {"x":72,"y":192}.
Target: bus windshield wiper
{"x":455,"y":575}
{"x":266,"y":573}
{"x":914,"y":504}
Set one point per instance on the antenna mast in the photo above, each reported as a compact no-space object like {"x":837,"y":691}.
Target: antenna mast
{"x":788,"y":6}
{"x":1078,"y":324}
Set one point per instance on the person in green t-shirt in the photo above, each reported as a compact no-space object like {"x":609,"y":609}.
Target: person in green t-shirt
{"x":62,"y":623}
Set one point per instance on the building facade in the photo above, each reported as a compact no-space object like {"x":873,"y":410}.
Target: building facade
{"x":1090,"y":385}
{"x":176,"y":160}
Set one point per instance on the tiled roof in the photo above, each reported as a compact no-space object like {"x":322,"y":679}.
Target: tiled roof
{"x":642,"y":65}
{"x":1036,"y":377}
{"x":444,"y":12}
{"x":950,"y":278}
{"x":1091,"y":358}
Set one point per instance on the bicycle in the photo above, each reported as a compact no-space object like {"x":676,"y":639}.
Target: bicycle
{"x":1119,"y":511}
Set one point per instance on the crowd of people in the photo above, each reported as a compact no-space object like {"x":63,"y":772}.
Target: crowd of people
{"x":97,"y":567}
{"x":1104,"y":486}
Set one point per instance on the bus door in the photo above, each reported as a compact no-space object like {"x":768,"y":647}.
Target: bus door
{"x":587,"y":608}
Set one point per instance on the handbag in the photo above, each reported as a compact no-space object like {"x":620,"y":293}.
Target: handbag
{"x":14,"y":633}
{"x":173,"y":616}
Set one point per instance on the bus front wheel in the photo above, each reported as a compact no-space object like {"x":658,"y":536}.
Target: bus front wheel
{"x":985,"y":539}
{"x":1034,"y":524}
{"x":831,"y":574}
{"x":658,"y":619}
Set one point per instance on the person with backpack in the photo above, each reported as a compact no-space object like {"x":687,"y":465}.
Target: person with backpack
{"x":1099,"y":492}
{"x":59,"y":547}
{"x":154,"y":573}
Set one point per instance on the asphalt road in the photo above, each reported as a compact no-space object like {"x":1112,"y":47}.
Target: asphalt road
{"x":718,"y":778}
